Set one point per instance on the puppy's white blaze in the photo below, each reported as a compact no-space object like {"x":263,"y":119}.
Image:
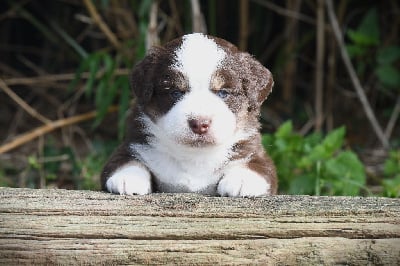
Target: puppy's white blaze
{"x":240,"y":181}
{"x":130,"y":179}
{"x":198,"y":57}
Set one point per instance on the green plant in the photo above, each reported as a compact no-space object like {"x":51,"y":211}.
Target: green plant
{"x":391,"y":182}
{"x":314,"y":164}
{"x":104,"y":86}
{"x":61,"y":167}
{"x":368,"y":51}
{"x":90,"y":167}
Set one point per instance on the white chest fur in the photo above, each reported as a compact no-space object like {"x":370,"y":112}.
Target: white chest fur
{"x":183,"y":169}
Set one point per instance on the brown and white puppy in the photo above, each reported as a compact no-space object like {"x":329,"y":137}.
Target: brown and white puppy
{"x":195,"y":125}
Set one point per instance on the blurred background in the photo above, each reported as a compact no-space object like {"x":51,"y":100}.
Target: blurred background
{"x":331,"y":124}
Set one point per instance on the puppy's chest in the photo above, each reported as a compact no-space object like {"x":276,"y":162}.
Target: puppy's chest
{"x":176,"y":171}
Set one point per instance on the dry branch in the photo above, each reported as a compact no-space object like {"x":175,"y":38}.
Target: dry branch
{"x":57,"y":77}
{"x":319,"y":69}
{"x":102,"y":25}
{"x":198,"y":23}
{"x":23,"y":104}
{"x":353,"y":76}
{"x":152,"y":34}
{"x":285,"y":12}
{"x":42,"y":130}
{"x":393,"y":119}
{"x":243,"y":24}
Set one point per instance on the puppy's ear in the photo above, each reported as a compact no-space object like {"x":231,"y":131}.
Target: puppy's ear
{"x":141,"y":79}
{"x":257,"y":80}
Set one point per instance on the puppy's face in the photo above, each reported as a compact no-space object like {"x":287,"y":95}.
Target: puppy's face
{"x":200,"y":91}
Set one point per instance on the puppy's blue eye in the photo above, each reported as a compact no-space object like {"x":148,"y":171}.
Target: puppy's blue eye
{"x":176,"y":94}
{"x":222,"y":94}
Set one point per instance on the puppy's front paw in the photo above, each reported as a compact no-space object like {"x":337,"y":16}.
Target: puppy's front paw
{"x":129,"y":180}
{"x":239,"y":181}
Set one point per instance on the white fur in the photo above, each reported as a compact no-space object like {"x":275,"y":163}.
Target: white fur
{"x":240,"y":181}
{"x":130,"y":179}
{"x":198,"y":58}
{"x":182,"y":168}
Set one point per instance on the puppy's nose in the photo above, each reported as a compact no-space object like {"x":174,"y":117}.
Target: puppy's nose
{"x":199,"y":126}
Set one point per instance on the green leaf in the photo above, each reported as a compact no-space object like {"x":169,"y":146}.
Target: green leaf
{"x":108,"y":64}
{"x":392,"y":164}
{"x":33,"y":162}
{"x":369,"y":26}
{"x":388,"y":55}
{"x":82,"y":67}
{"x":356,"y":50}
{"x":334,"y":140}
{"x":391,"y":187}
{"x":331,"y":143}
{"x":302,"y":185}
{"x":144,"y":7}
{"x":347,"y":173}
{"x":101,"y":102}
{"x":93,"y":67}
{"x":104,"y":98}
{"x":361,"y":39}
{"x":284,"y":130}
{"x":388,"y":76}
{"x":267,"y":141}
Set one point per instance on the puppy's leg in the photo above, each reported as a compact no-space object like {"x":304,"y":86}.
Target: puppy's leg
{"x":252,"y":179}
{"x":123,"y":174}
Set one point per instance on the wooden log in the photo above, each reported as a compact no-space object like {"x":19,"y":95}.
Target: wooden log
{"x":95,"y":228}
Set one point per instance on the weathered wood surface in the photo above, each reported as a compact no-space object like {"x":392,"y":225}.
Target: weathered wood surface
{"x":95,"y":228}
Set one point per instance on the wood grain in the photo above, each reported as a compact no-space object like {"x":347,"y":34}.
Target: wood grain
{"x":96,"y":228}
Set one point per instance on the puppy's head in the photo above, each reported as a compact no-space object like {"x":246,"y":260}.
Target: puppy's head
{"x":200,"y":91}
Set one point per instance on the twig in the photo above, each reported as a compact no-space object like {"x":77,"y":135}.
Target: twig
{"x":198,"y":24}
{"x":244,"y":24}
{"x":102,"y":25}
{"x":393,"y":119}
{"x":174,"y":21}
{"x":353,"y":76}
{"x":284,"y":12}
{"x":35,"y":68}
{"x":68,"y":39}
{"x":35,"y":22}
{"x":57,"y":77}
{"x":22,"y":103}
{"x":42,"y":130}
{"x":319,"y":70}
{"x":151,"y":36}
{"x":290,"y":52}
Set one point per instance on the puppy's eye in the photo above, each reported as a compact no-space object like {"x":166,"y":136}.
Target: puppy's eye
{"x":222,"y":93}
{"x":176,"y":94}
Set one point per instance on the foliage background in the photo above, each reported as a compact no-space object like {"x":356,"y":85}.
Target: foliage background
{"x":62,"y":60}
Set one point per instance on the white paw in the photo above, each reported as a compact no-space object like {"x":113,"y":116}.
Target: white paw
{"x":129,"y":180}
{"x":239,"y":181}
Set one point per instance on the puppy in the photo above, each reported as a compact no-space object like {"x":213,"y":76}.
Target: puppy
{"x":195,"y":124}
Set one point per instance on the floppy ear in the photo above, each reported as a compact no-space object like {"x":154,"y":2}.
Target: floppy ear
{"x":256,"y":79}
{"x":141,"y":79}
